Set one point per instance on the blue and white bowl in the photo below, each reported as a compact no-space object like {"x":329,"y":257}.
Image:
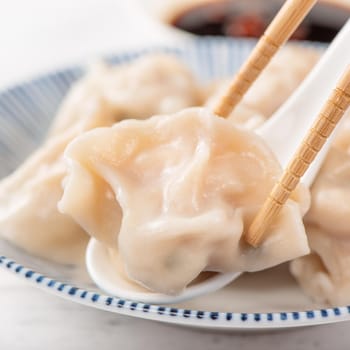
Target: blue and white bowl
{"x":265,"y":300}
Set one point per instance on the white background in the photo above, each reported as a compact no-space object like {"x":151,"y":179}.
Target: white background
{"x":36,"y":35}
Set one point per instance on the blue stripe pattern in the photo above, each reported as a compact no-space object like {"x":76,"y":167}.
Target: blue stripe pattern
{"x":109,"y":301}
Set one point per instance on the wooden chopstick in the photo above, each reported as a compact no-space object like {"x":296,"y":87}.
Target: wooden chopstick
{"x":278,"y":32}
{"x":330,"y":115}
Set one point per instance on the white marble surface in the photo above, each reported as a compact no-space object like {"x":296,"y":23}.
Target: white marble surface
{"x":36,"y":35}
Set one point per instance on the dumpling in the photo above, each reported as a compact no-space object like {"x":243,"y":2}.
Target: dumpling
{"x":272,"y":88}
{"x":187,"y":184}
{"x":28,"y":207}
{"x":325,"y":274}
{"x":29,"y":217}
{"x":152,"y":84}
{"x":330,"y":195}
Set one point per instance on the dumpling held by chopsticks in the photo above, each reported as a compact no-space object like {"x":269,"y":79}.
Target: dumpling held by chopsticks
{"x":188,"y":185}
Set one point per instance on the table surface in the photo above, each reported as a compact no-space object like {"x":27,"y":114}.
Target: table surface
{"x":37,"y":35}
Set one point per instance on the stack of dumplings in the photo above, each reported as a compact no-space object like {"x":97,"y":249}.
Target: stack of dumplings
{"x":133,"y":160}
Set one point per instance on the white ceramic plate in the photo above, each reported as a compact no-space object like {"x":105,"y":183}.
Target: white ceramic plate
{"x":266,"y":300}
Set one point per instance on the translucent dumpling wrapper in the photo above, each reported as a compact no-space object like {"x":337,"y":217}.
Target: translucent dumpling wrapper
{"x":325,"y":273}
{"x":28,"y":207}
{"x":152,"y":84}
{"x":330,"y":195}
{"x":29,"y":217}
{"x":188,"y":185}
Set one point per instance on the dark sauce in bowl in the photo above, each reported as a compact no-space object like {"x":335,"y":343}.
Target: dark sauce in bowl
{"x":242,"y":18}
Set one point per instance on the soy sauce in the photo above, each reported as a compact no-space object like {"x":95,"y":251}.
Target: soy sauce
{"x":227,"y":18}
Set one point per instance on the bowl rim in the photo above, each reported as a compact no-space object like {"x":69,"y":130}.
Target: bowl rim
{"x":179,"y":316}
{"x":168,"y":314}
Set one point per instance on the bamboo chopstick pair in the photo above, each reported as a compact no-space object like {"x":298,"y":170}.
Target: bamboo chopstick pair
{"x":278,"y":32}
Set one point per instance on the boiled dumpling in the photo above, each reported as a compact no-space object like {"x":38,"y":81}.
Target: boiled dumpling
{"x":28,"y":207}
{"x":325,"y":274}
{"x":152,"y":84}
{"x":187,"y":184}
{"x":330,"y":200}
{"x":29,"y":217}
{"x":28,"y":198}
